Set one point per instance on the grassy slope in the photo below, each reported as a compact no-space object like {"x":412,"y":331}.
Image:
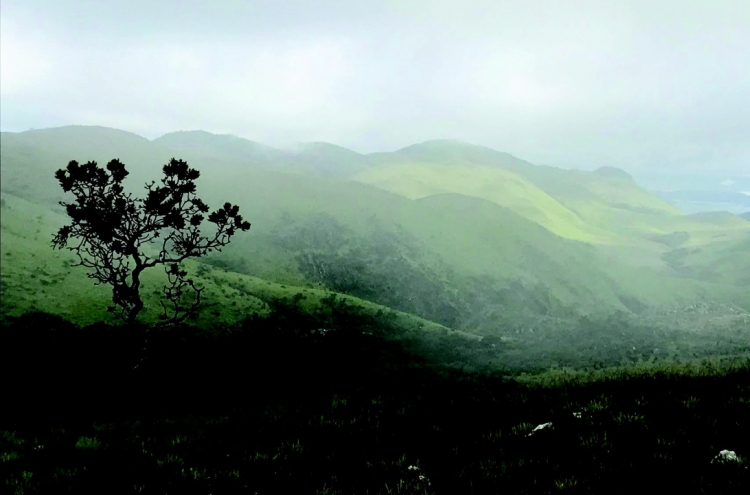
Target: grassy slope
{"x":473,"y":241}
{"x":572,"y":263}
{"x":221,"y":145}
{"x":30,"y":158}
{"x":463,"y":433}
{"x":328,"y":160}
{"x":419,"y":179}
{"x":316,"y":158}
{"x":470,"y":236}
{"x":38,"y":278}
{"x":604,"y":207}
{"x":726,"y":262}
{"x":473,"y":236}
{"x":270,"y":197}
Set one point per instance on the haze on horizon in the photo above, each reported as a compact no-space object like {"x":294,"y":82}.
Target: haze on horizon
{"x":648,"y":87}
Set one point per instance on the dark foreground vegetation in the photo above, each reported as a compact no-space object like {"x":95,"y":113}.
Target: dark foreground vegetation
{"x":332,"y":403}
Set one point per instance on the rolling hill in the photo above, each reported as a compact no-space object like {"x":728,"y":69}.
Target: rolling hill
{"x":465,"y":236}
{"x":222,"y":146}
{"x":417,"y":180}
{"x":34,"y":276}
{"x":315,"y":158}
{"x":604,"y":207}
{"x":328,"y":160}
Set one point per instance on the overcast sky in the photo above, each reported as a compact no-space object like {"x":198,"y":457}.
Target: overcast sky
{"x":654,"y":85}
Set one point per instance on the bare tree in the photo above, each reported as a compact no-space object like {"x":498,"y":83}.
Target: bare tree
{"x":110,"y":227}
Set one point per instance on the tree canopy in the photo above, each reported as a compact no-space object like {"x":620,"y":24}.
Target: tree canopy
{"x":110,"y":227}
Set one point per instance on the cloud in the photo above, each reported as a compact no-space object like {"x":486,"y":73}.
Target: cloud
{"x":585,"y":84}
{"x":28,"y":63}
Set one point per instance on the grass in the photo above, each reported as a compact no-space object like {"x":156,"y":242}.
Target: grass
{"x":605,"y":209}
{"x":467,"y":237}
{"x":283,"y":386}
{"x":417,"y":180}
{"x":37,"y":278}
{"x":370,"y":419}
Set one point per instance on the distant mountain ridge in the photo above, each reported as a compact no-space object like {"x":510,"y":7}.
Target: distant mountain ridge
{"x":225,"y":145}
{"x":443,"y":151}
{"x":613,"y":172}
{"x":695,"y":201}
{"x":329,"y":160}
{"x":319,"y":158}
{"x":728,"y":197}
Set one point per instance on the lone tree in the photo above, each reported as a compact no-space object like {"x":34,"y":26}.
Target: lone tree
{"x":110,"y":228}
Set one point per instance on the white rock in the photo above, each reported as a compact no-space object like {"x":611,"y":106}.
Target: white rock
{"x":539,"y":428}
{"x":725,"y":456}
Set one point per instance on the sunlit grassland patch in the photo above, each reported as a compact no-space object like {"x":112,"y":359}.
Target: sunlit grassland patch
{"x":417,"y":180}
{"x":618,"y":216}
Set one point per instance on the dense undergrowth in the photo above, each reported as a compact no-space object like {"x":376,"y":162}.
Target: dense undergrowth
{"x":340,"y":403}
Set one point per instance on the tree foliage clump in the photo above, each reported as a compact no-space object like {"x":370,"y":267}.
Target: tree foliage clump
{"x":111,"y":227}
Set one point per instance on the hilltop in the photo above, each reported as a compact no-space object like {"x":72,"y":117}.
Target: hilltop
{"x":221,"y":145}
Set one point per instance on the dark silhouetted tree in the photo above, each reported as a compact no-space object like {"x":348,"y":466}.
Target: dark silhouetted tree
{"x":110,"y":227}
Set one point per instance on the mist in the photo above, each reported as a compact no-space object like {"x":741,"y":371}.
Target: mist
{"x":651,"y":88}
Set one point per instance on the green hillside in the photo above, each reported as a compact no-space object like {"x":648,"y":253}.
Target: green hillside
{"x":315,"y":158}
{"x":471,"y":246}
{"x":725,"y":262}
{"x":607,"y":186}
{"x":328,"y":160}
{"x":30,"y":158}
{"x":439,"y":242}
{"x":567,"y":202}
{"x":451,"y":152}
{"x":604,"y":207}
{"x":418,"y":180}
{"x":34,"y":276}
{"x":222,"y":146}
{"x":573,"y":204}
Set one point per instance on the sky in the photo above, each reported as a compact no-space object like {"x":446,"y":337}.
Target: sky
{"x":653,"y":87}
